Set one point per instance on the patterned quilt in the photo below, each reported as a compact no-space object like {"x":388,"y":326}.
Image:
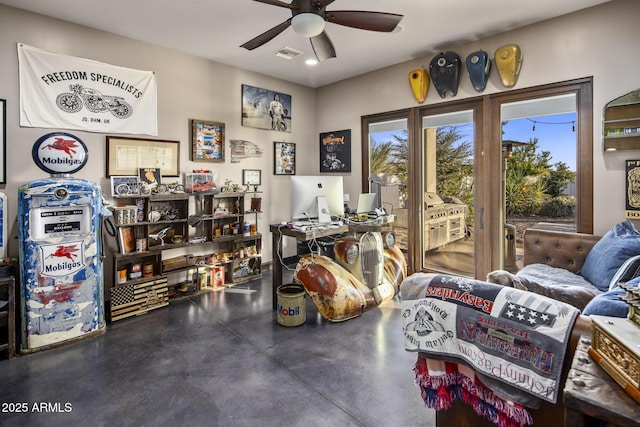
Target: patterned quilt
{"x":510,"y":337}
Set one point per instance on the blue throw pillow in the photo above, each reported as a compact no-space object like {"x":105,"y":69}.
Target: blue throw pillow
{"x":612,"y":250}
{"x":608,"y":304}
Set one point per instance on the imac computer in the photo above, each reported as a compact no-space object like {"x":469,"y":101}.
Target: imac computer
{"x":316,"y":198}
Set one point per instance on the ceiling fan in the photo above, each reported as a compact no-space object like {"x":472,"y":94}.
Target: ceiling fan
{"x":309,"y":17}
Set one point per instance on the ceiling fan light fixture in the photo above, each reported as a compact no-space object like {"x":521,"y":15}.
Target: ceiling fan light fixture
{"x":308,"y":24}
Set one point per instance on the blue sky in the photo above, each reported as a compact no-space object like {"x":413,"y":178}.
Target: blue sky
{"x":554,"y":134}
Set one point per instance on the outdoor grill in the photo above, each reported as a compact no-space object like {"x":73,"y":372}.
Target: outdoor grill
{"x":444,"y":222}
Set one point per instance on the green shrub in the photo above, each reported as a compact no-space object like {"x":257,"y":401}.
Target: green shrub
{"x":559,"y":206}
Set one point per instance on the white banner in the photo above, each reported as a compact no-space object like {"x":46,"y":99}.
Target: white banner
{"x":58,"y":91}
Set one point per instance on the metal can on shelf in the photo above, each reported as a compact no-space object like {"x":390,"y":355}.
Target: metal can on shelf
{"x":135,"y":271}
{"x":122,"y":276}
{"x":141,"y":245}
{"x":147,"y":270}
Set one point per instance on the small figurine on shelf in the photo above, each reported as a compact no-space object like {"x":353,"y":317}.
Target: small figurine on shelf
{"x":160,"y":235}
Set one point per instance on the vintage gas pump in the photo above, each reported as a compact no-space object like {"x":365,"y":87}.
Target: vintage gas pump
{"x":60,"y":248}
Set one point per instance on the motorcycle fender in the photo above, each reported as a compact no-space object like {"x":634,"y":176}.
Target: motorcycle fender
{"x":478,"y":66}
{"x":508,"y":59}
{"x":444,"y":69}
{"x":335,"y":292}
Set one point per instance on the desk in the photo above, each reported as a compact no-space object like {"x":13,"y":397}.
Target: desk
{"x":592,"y":397}
{"x":278,"y":232}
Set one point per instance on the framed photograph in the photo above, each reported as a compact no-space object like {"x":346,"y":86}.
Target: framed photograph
{"x":125,"y":156}
{"x":284,"y":159}
{"x":127,"y":240}
{"x":335,"y":151}
{"x":266,"y":109}
{"x":207,"y":141}
{"x":251,"y":177}
{"x":124,"y":186}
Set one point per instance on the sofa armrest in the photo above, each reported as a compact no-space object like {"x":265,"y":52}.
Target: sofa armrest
{"x":558,"y":249}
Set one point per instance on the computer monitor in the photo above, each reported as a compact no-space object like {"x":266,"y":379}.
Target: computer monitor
{"x":305,"y":191}
{"x":367,"y":203}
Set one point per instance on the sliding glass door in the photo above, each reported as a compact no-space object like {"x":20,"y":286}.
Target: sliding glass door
{"x":456,"y":173}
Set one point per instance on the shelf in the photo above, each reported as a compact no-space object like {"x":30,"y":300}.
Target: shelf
{"x":187,"y":207}
{"x":621,"y":124}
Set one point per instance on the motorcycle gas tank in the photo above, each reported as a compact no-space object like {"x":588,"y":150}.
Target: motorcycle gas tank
{"x":478,"y":64}
{"x":419,"y":83}
{"x":508,"y":59}
{"x":444,"y":69}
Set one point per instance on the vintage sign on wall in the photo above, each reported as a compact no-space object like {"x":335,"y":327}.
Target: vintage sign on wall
{"x":58,"y":91}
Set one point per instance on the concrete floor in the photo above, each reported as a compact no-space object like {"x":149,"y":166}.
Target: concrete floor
{"x":221,"y":359}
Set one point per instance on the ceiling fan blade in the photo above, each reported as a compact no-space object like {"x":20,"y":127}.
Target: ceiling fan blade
{"x":364,"y":20}
{"x":322,"y":46}
{"x":266,"y":36}
{"x":277,"y":3}
{"x":322,"y":3}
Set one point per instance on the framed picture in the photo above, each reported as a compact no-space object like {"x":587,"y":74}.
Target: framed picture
{"x":127,"y":240}
{"x":125,"y":156}
{"x":3,"y":141}
{"x":207,"y":141}
{"x":251,"y":177}
{"x":266,"y":109}
{"x":335,"y":151}
{"x":124,"y":185}
{"x":284,"y":158}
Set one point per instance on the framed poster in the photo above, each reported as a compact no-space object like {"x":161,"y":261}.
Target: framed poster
{"x":284,"y":158}
{"x":632,"y":199}
{"x":207,"y":141}
{"x":266,"y":109}
{"x":335,"y":151}
{"x":125,"y":156}
{"x":150,"y":177}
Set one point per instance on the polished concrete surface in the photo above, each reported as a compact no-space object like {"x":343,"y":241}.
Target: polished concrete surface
{"x":221,"y":359}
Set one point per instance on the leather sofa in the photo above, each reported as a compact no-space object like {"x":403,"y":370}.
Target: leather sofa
{"x":557,"y":248}
{"x":551,"y":262}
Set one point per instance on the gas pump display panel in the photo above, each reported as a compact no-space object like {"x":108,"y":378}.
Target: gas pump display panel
{"x":60,"y":221}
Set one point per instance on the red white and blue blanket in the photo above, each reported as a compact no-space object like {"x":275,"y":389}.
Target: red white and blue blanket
{"x":512,"y":338}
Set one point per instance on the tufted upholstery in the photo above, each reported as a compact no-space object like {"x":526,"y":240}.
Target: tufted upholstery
{"x":557,"y":248}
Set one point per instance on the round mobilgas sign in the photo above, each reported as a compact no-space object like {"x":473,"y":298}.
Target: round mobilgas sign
{"x":60,"y":153}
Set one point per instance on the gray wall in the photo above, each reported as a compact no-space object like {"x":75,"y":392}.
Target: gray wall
{"x":599,"y":42}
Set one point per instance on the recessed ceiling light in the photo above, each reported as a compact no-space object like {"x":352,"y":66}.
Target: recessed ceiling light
{"x":311,"y":61}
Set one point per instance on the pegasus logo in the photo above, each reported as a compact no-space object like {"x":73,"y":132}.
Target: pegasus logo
{"x":61,"y":144}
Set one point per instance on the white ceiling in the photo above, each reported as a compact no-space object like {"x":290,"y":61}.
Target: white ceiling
{"x":215,"y":29}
